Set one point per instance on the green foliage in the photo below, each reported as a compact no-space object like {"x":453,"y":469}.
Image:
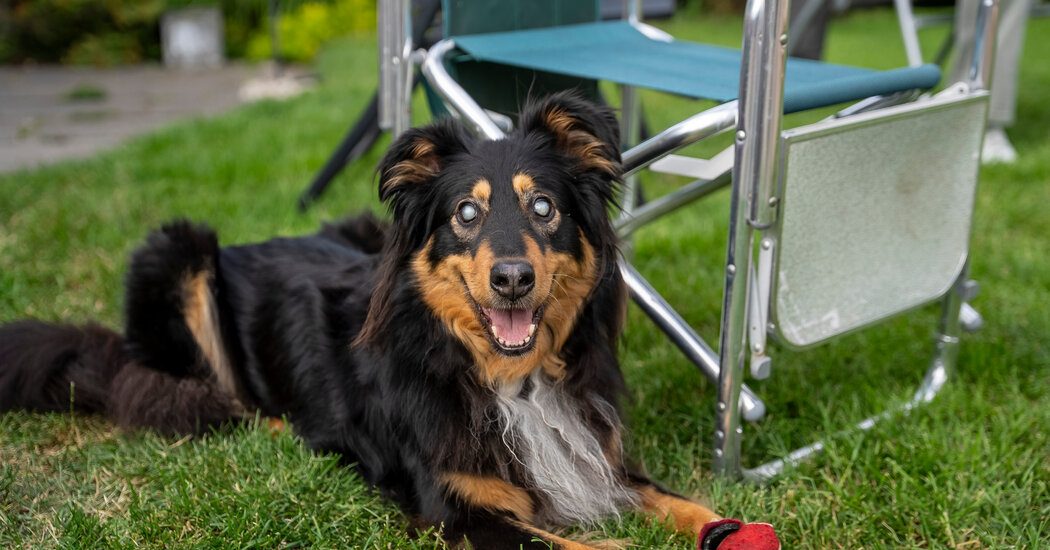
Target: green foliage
{"x":304,"y":29}
{"x":115,"y":32}
{"x":105,"y":50}
{"x":79,"y":31}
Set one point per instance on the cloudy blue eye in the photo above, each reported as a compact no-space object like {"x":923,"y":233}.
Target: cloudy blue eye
{"x":542,"y":207}
{"x":467,"y":212}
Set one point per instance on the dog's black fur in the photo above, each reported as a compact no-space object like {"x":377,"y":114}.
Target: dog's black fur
{"x":376,"y":341}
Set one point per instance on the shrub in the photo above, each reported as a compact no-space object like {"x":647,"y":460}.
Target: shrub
{"x":49,"y":30}
{"x":305,"y":28}
{"x":111,"y":32}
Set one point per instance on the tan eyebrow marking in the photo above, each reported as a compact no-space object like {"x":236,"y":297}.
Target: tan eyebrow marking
{"x":523,"y":183}
{"x":482,"y":190}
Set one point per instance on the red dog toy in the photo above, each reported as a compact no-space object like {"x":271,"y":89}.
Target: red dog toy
{"x":732,"y":534}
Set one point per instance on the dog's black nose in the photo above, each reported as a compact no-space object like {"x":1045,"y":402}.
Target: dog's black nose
{"x":512,"y":279}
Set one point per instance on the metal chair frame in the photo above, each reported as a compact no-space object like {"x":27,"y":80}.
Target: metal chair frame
{"x":751,"y":173}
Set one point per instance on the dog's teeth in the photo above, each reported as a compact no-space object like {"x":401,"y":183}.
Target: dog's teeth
{"x":495,"y":332}
{"x":532,"y":330}
{"x":509,"y":344}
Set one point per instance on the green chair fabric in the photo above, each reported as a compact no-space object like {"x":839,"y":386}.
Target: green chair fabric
{"x":502,"y":87}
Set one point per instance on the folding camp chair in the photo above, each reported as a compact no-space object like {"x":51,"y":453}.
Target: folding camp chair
{"x":845,"y":237}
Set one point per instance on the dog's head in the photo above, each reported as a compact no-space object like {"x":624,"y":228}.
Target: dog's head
{"x":506,"y":240}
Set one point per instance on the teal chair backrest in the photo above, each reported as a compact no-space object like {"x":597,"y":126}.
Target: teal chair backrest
{"x":502,"y":88}
{"x":481,"y":16}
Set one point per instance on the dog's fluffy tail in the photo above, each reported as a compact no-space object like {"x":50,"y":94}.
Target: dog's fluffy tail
{"x":170,"y":371}
{"x":46,"y":367}
{"x":64,"y":368}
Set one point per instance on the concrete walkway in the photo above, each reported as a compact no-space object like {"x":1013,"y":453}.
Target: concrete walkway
{"x":42,"y":120}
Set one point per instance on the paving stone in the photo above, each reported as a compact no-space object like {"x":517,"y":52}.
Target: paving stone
{"x":42,"y":120}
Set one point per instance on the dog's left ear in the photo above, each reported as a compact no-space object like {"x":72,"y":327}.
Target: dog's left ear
{"x":583,"y":131}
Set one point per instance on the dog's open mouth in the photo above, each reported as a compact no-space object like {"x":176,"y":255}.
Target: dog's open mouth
{"x":513,"y":331}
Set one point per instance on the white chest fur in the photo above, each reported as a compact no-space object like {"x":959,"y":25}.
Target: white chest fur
{"x":546,"y":434}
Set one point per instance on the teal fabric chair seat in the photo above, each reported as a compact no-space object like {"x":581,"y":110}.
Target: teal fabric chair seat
{"x":618,"y":52}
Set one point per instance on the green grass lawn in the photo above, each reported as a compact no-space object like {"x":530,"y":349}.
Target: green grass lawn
{"x":971,"y":470}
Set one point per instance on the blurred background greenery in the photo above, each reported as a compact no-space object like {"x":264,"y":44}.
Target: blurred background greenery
{"x":118,"y":32}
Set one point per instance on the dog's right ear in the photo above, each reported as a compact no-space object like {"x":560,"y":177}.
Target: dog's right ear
{"x":418,"y":156}
{"x":406,"y":173}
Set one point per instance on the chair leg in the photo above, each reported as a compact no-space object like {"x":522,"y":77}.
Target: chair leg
{"x":753,"y":205}
{"x":947,"y":343}
{"x":684,"y":337}
{"x":941,"y":369}
{"x":970,"y":318}
{"x":629,"y":134}
{"x":356,"y":143}
{"x":739,"y":259}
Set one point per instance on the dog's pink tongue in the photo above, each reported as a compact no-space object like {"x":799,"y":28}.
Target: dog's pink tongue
{"x":512,"y":325}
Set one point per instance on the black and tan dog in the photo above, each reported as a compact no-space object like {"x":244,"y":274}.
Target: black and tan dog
{"x":463,"y":357}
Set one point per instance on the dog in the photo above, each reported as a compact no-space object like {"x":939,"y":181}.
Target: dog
{"x":463,"y":357}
